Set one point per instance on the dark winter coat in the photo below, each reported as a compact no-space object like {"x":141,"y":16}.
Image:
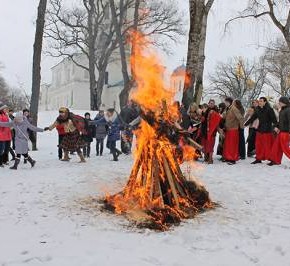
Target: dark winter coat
{"x":90,"y":132}
{"x":284,"y":119}
{"x":21,"y":134}
{"x":267,"y":119}
{"x":101,"y":129}
{"x":114,"y":126}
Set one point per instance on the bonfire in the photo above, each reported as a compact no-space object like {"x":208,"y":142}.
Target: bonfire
{"x":157,"y":194}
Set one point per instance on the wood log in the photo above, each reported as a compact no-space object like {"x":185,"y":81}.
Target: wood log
{"x":170,"y":180}
{"x":194,"y":144}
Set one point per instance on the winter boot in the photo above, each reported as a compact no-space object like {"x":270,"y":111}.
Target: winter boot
{"x":115,"y":156}
{"x":16,"y":162}
{"x":25,"y":161}
{"x":1,"y":161}
{"x":81,"y":157}
{"x":256,"y":162}
{"x":88,"y":151}
{"x":210,"y":159}
{"x":31,"y":161}
{"x":65,"y":157}
{"x":85,"y":152}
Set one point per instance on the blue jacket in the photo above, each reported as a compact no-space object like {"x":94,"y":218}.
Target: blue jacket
{"x":114,"y":125}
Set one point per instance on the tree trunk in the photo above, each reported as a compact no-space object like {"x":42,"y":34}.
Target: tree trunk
{"x":134,"y":41}
{"x":124,"y":95}
{"x":192,"y":91}
{"x":92,"y":57}
{"x":201,"y":60}
{"x":100,"y":86}
{"x":36,"y":70}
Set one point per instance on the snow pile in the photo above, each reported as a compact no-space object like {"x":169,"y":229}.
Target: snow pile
{"x":44,"y":221}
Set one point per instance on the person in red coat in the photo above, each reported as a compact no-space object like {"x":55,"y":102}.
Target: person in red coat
{"x":5,"y":135}
{"x":281,"y":143}
{"x":211,"y":120}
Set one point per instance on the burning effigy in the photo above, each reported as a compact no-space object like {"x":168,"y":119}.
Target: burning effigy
{"x":157,"y":194}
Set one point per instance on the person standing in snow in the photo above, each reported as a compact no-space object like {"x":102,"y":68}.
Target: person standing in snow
{"x":11,"y":149}
{"x":20,"y":125}
{"x":112,"y":120}
{"x":242,"y":142}
{"x":209,"y":126}
{"x":281,"y":143}
{"x":5,"y":136}
{"x":101,"y":133}
{"x":264,"y":136}
{"x":74,"y":126}
{"x":251,"y":140}
{"x":233,"y":121}
{"x":88,"y":136}
{"x":128,"y":114}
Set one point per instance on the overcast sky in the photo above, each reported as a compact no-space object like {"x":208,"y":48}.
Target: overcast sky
{"x":17,"y":35}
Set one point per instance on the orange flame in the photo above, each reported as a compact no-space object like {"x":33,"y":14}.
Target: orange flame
{"x":156,"y":175}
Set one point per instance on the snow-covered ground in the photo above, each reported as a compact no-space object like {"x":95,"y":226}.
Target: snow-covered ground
{"x":45,"y":218}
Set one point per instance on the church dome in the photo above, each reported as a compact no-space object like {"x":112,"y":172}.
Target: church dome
{"x":179,"y":71}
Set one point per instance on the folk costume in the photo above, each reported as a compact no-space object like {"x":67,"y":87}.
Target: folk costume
{"x":73,"y":126}
{"x":264,"y":135}
{"x":233,"y":122}
{"x":209,"y":126}
{"x":282,"y":141}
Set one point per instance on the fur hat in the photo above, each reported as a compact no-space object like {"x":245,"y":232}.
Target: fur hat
{"x":63,"y":110}
{"x":3,"y":106}
{"x":284,"y":100}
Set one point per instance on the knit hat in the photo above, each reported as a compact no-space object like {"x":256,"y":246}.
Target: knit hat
{"x":87,"y":114}
{"x":18,"y":117}
{"x":63,"y":110}
{"x":284,"y":100}
{"x":3,"y":106}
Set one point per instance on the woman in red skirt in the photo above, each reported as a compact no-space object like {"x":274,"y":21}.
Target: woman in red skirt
{"x":282,"y":141}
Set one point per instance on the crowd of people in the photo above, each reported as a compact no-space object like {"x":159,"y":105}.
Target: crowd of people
{"x":268,"y":134}
{"x":267,"y":139}
{"x":75,"y":133}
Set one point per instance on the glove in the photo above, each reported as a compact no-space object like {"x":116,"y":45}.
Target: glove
{"x":46,"y":128}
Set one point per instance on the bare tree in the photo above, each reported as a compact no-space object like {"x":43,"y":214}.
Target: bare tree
{"x":157,"y":19}
{"x":243,"y":80}
{"x":277,"y":11}
{"x":76,"y":30}
{"x":36,"y":70}
{"x":277,"y":63}
{"x":3,"y":89}
{"x":199,"y":10}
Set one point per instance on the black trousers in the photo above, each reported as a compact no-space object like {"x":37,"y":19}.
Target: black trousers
{"x":251,"y":141}
{"x":99,"y":146}
{"x":87,"y":149}
{"x":24,"y":155}
{"x":4,"y":153}
{"x":242,"y":144}
{"x":60,"y":152}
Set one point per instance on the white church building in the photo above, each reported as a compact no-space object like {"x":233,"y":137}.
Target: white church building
{"x":70,"y":86}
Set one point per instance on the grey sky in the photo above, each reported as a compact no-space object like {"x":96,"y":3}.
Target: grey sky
{"x":17,"y":36}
